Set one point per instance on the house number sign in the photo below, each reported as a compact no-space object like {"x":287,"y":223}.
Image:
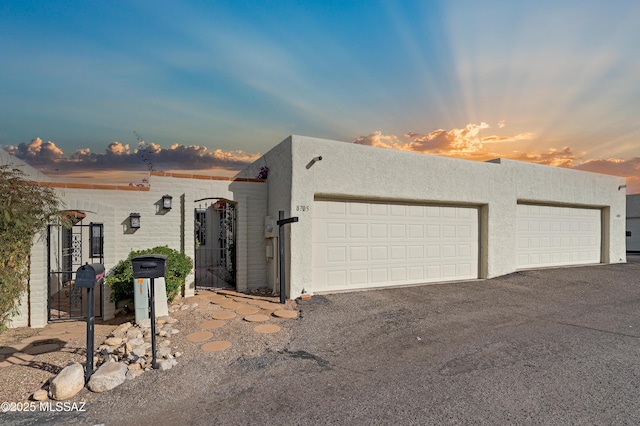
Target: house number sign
{"x":303,"y":208}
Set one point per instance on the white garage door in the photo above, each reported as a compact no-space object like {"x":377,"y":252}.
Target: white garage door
{"x":557,"y":236}
{"x":367,"y":244}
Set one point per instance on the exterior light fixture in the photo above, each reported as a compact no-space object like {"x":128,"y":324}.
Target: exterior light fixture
{"x":166,"y":202}
{"x":134,"y":220}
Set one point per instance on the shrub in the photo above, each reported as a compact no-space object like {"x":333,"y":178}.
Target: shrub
{"x":120,"y":278}
{"x":25,"y":210}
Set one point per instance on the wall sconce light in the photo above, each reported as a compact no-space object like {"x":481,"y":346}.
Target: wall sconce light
{"x":621,"y":187}
{"x":166,"y":202}
{"x":134,"y":220}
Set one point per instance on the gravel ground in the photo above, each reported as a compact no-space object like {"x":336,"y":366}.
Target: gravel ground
{"x":18,"y":382}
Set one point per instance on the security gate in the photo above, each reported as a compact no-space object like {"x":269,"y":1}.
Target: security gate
{"x":215,"y":239}
{"x":69,"y":248}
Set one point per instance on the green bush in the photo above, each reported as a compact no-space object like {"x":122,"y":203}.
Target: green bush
{"x":120,"y":278}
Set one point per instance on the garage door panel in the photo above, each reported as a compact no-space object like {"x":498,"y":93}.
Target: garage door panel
{"x":557,"y":236}
{"x":359,"y":244}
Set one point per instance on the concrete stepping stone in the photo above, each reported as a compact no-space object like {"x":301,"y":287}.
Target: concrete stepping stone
{"x":256,"y":318}
{"x":267,"y":328}
{"x":18,"y":358}
{"x":247,"y":310}
{"x":219,"y":300}
{"x":232,"y":305}
{"x":223,"y":315}
{"x":254,"y":302}
{"x":210,"y":325}
{"x":41,"y":349}
{"x":217,"y":346}
{"x":268,"y":306}
{"x":199,"y":336}
{"x":285,"y":314}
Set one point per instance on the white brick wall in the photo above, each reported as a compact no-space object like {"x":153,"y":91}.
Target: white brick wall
{"x":158,"y":228}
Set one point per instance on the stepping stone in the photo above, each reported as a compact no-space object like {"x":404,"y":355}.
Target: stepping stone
{"x":224,"y":315}
{"x":199,"y":336}
{"x":41,"y":349}
{"x":285,"y":314}
{"x":247,"y":310}
{"x":256,"y":318}
{"x":268,"y":306}
{"x":217,"y":346}
{"x":18,"y":358}
{"x":216,"y":300}
{"x":232,"y":305}
{"x":254,"y":302}
{"x":267,"y":328}
{"x":210,"y":325}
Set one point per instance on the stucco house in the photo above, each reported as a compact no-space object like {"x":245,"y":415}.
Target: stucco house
{"x":633,"y":223}
{"x":367,"y":217}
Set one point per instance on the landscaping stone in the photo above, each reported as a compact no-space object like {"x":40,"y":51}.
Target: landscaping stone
{"x":144,"y":323}
{"x":40,"y":395}
{"x":69,"y":382}
{"x":107,"y":377}
{"x":256,"y":318}
{"x":223,"y":315}
{"x":247,"y":310}
{"x":210,"y":325}
{"x":166,"y":364}
{"x":216,"y":346}
{"x":163,"y":352}
{"x":285,"y":314}
{"x":113,"y":341}
{"x":267,"y":328}
{"x":132,"y":374}
{"x":199,"y":336}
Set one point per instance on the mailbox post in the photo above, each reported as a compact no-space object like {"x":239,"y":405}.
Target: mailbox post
{"x":88,"y":276}
{"x":281,"y":223}
{"x":150,"y":266}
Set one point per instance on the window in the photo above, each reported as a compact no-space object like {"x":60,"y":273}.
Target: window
{"x":96,"y":240}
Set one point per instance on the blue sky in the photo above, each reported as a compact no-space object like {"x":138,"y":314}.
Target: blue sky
{"x":210,"y":84}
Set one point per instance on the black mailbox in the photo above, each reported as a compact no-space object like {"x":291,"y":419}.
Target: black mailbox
{"x":149,"y":266}
{"x":89,"y":275}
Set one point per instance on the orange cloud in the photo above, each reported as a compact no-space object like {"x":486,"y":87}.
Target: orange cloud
{"x":468,"y":143}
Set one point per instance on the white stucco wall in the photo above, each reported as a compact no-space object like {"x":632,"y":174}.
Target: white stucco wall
{"x":633,"y":222}
{"x":351,"y":171}
{"x":174,"y":228}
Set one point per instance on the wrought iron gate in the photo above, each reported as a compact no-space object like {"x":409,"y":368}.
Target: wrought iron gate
{"x":68,"y":249}
{"x":215,"y":238}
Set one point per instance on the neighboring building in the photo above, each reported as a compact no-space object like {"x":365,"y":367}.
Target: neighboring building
{"x":633,"y":223}
{"x":368,"y":217}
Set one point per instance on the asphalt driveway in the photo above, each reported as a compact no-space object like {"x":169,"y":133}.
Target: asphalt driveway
{"x":557,"y":346}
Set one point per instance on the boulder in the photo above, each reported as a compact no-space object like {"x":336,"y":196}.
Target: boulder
{"x":68,"y":383}
{"x":166,"y":364}
{"x":108,"y":376}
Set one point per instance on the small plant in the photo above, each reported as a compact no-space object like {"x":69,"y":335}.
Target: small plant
{"x":120,"y":278}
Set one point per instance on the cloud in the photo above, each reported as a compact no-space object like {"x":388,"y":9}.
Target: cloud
{"x":117,"y":156}
{"x":469,"y":143}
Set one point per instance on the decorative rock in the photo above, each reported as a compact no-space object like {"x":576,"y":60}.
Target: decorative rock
{"x":183,"y":308}
{"x":165,"y":343}
{"x":132,"y":374}
{"x":134,"y":334}
{"x":40,"y":395}
{"x":160,"y":321}
{"x":172,"y":320}
{"x":163,"y":352}
{"x":144,"y":323}
{"x":193,"y":305}
{"x":113,"y":341}
{"x":134,"y":367}
{"x":68,"y":383}
{"x":107,"y":377}
{"x":136,"y":342}
{"x":162,"y":333}
{"x":173,"y":331}
{"x":178,"y":354}
{"x":122,"y":328}
{"x":166,"y":364}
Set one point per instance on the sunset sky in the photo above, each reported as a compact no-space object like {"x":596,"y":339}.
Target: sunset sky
{"x":209,"y":85}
